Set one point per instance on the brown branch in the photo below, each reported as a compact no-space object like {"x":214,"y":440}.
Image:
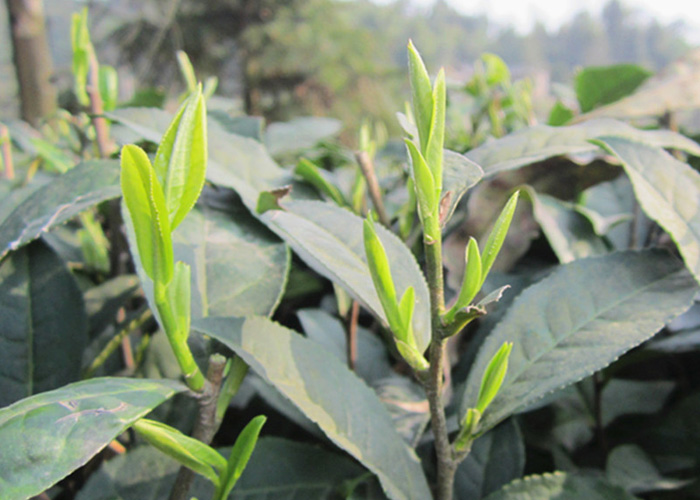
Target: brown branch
{"x":6,"y":152}
{"x":375,"y":193}
{"x":207,"y":422}
{"x":352,"y":334}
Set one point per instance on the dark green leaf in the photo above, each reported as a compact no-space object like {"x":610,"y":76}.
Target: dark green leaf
{"x":538,"y":143}
{"x":496,"y":458}
{"x":561,"y":486}
{"x":329,"y":394}
{"x":569,"y":233}
{"x":238,"y":266}
{"x":372,"y":363}
{"x":46,"y":437}
{"x":599,"y":85}
{"x":329,"y":239}
{"x":576,"y":321}
{"x":667,"y":190}
{"x":44,"y":326}
{"x":61,"y":199}
{"x":631,"y":468}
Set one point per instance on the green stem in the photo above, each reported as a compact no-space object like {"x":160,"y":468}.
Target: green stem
{"x":237,"y":371}
{"x":446,"y":464}
{"x":116,"y":341}
{"x":178,"y":340}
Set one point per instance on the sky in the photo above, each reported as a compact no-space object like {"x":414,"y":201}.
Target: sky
{"x":523,"y":13}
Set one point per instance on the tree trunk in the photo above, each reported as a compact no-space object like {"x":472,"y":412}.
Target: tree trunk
{"x":32,"y":59}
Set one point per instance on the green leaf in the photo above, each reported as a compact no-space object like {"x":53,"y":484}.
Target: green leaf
{"x":238,"y":266}
{"x":560,"y":486}
{"x":329,"y":394}
{"x":496,"y":458}
{"x":372,"y":361}
{"x":667,"y":190}
{"x":436,"y":139}
{"x":329,"y":239}
{"x":407,"y":305}
{"x":298,"y":134}
{"x":459,"y":174}
{"x":240,"y":455}
{"x":55,"y":158}
{"x":186,"y":70}
{"x":493,"y":377}
{"x":190,"y":452}
{"x":289,"y":469}
{"x":424,"y":182}
{"x":631,"y":468}
{"x":497,"y":71}
{"x":144,"y":199}
{"x":109,"y":87}
{"x":44,"y":325}
{"x":497,"y":236}
{"x":559,"y":115}
{"x":568,"y":232}
{"x":46,"y":437}
{"x":471,"y":282}
{"x":240,"y":163}
{"x":380,"y":271}
{"x":535,"y":144}
{"x":599,"y":85}
{"x":312,"y":174}
{"x":82,"y":51}
{"x":181,"y":160}
{"x":422,"y":93}
{"x":580,"y":318}
{"x":61,"y":199}
{"x":103,"y":301}
{"x":179,"y":295}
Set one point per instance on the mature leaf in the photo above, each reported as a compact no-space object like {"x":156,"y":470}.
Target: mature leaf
{"x":577,"y":320}
{"x":459,"y":174}
{"x":675,"y":88}
{"x":46,"y":437}
{"x":44,"y":326}
{"x":407,"y":404}
{"x":568,"y":232}
{"x":496,"y":458}
{"x":631,"y":468}
{"x":372,"y":363}
{"x":298,"y":134}
{"x":329,"y":394}
{"x":625,"y":397}
{"x":329,"y":239}
{"x":561,"y":486}
{"x":238,"y":266}
{"x":668,"y":191}
{"x":599,"y":85}
{"x":279,"y":467}
{"x":535,"y":144}
{"x":54,"y":203}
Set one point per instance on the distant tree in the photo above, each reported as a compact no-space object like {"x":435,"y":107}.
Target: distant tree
{"x":32,"y":59}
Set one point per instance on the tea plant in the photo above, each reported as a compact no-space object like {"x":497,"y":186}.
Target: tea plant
{"x":472,"y":355}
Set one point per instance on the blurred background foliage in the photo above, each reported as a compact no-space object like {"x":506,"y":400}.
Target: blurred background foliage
{"x":343,"y":59}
